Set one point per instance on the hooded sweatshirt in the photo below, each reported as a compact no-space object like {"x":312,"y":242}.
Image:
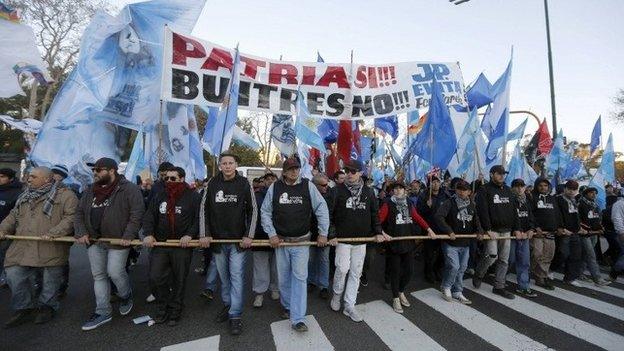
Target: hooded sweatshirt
{"x":8,"y":195}
{"x":545,"y":210}
{"x":496,"y":208}
{"x":590,"y":215}
{"x":568,"y":207}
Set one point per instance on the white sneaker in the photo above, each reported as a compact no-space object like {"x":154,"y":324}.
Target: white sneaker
{"x":551,"y":276}
{"x":575,"y":283}
{"x":335,"y":303}
{"x":258,"y":300}
{"x":150,"y":298}
{"x":404,"y":300}
{"x":352,"y":313}
{"x":396,"y":305}
{"x":446,"y":294}
{"x":602,"y":282}
{"x":462,"y":299}
{"x":275,"y":295}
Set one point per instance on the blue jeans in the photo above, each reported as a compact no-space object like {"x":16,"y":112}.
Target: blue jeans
{"x":22,"y":290}
{"x":589,"y":256}
{"x":318,"y":266}
{"x":212,"y":275}
{"x":520,"y":256}
{"x":108,"y":263}
{"x":455,"y":264}
{"x":292,"y":272}
{"x":231,"y":267}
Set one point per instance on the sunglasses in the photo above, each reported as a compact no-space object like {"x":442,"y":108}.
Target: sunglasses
{"x":98,"y":169}
{"x":171,"y":179}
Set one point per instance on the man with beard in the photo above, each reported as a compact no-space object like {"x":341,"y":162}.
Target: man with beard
{"x":264,"y":265}
{"x":112,"y":207}
{"x":47,"y":211}
{"x":428,"y":203}
{"x":228,"y":211}
{"x":318,"y":266}
{"x":172,"y":215}
{"x":354,"y":213}
{"x":498,"y":216}
{"x":10,"y":189}
{"x":591,"y":221}
{"x":287,"y":213}
{"x":568,"y":241}
{"x":547,"y":218}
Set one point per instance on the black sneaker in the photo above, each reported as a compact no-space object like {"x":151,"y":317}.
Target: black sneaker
{"x":504,"y":293}
{"x":20,"y":317}
{"x":236,"y":326}
{"x":364,"y":280}
{"x":545,"y":284}
{"x":311,"y":287}
{"x":223,"y":315}
{"x":44,"y":315}
{"x":207,"y":294}
{"x":285,"y":314}
{"x":300,"y":327}
{"x":476,"y":282}
{"x":613,"y":274}
{"x":526,"y":293}
{"x":324,"y":294}
{"x":161,"y":317}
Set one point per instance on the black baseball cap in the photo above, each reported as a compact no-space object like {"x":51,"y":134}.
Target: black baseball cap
{"x":105,"y":162}
{"x":291,"y":163}
{"x":354,"y":165}
{"x":498,"y":169}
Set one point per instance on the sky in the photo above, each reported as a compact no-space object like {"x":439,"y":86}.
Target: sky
{"x":587,"y":44}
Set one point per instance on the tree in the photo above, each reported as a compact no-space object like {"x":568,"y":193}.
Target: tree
{"x":618,"y":101}
{"x":58,"y":27}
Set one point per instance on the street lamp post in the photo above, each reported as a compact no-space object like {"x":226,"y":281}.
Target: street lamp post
{"x":550,"y":73}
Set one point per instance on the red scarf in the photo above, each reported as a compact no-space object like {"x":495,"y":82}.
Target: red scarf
{"x":103,"y":192}
{"x":174,"y":191}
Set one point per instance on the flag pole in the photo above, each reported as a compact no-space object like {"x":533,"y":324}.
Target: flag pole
{"x":160,"y":134}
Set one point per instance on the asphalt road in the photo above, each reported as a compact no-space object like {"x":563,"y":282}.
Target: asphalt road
{"x":579,"y":318}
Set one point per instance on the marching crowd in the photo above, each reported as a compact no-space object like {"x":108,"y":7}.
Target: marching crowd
{"x":552,"y":229}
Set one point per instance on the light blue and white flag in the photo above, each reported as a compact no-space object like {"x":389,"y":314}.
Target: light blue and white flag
{"x":240,"y":137}
{"x":283,"y":134}
{"x":306,"y":126}
{"x":595,"y":136}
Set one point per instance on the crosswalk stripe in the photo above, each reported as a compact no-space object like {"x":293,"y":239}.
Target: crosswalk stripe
{"x":478,"y":323}
{"x":205,"y":344}
{"x":395,"y":330}
{"x":603,"y":289}
{"x":555,"y":319}
{"x":581,"y":300}
{"x":287,"y":339}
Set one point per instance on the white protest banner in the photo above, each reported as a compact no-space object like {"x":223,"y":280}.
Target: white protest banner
{"x":198,"y":72}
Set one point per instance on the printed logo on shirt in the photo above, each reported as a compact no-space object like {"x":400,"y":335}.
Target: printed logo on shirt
{"x":2,"y":203}
{"x":163,"y":208}
{"x":523,"y":214}
{"x":542,"y":204}
{"x":106,"y":203}
{"x":572,"y":209}
{"x":593,"y":215}
{"x":402,"y":220}
{"x":500,"y":199}
{"x":355,"y":204}
{"x":464,"y":216}
{"x":290,"y":200}
{"x":220,"y":197}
